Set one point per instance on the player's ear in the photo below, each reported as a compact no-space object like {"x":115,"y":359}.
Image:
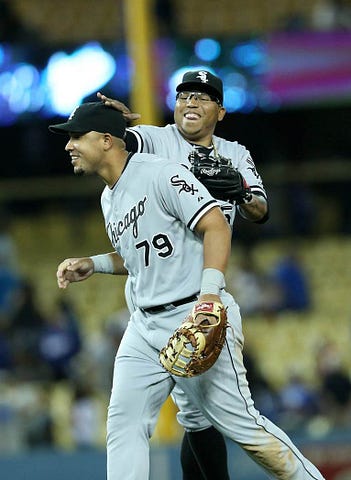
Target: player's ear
{"x":221,"y":112}
{"x":108,"y":141}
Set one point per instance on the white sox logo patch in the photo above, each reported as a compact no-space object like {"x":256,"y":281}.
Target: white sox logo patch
{"x":202,"y":75}
{"x":116,"y":229}
{"x":184,"y":187}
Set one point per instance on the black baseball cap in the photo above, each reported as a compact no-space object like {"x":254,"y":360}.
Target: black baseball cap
{"x":93,"y":116}
{"x":202,"y":81}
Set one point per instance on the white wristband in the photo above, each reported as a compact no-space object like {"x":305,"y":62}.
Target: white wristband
{"x":103,"y":263}
{"x":212,"y":281}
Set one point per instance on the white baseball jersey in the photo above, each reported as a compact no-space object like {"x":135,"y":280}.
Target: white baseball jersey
{"x":150,"y":215}
{"x":169,"y":143}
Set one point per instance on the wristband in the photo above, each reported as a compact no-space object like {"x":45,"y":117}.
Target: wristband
{"x":103,"y":263}
{"x":212,"y":281}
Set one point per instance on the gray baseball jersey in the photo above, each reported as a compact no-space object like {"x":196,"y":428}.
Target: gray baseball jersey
{"x":150,"y":215}
{"x":169,"y":143}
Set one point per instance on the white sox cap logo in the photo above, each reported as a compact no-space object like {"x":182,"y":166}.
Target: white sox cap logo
{"x":202,"y":75}
{"x":72,"y":114}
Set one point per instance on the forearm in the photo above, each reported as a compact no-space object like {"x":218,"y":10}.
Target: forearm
{"x":118,"y":264}
{"x":216,"y":257}
{"x":217,"y":244}
{"x":111,"y":263}
{"x":255,"y":210}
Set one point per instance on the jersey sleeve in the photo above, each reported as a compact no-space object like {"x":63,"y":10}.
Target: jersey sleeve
{"x":141,"y":138}
{"x":134,"y":142}
{"x":247,"y":168}
{"x":182,"y":195}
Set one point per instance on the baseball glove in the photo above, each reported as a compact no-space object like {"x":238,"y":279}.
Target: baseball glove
{"x":196,"y":344}
{"x":222,"y":180}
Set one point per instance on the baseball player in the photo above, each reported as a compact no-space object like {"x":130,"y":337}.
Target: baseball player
{"x":192,"y":142}
{"x":171,"y":237}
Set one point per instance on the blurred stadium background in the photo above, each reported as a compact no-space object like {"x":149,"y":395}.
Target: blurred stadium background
{"x":286,"y":66}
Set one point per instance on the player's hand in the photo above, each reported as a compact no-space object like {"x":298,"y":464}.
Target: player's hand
{"x":74,"y":270}
{"x":197,"y":343}
{"x":208,"y":297}
{"x":111,"y":102}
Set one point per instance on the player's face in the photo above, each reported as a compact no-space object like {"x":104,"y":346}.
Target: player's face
{"x":85,"y":152}
{"x":196,"y":120}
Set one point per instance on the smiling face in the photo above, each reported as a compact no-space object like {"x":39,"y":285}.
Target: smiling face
{"x":97,"y":153}
{"x":85,"y":151}
{"x":196,"y":120}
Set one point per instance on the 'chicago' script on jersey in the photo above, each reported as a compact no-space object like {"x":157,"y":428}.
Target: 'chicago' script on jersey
{"x":116,"y":229}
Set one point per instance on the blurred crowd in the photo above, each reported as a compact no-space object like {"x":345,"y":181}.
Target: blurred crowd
{"x":174,"y":17}
{"x":302,"y":408}
{"x":39,"y":352}
{"x":325,"y":15}
{"x":283,"y":287}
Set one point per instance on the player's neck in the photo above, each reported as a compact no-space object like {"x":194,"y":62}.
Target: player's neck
{"x":206,"y":142}
{"x":210,"y":147}
{"x":113,"y":169}
{"x":202,"y":139}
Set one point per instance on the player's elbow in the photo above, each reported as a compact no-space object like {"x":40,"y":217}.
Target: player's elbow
{"x":265,"y":216}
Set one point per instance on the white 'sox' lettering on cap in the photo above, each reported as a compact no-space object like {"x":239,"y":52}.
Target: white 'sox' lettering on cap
{"x":202,"y":81}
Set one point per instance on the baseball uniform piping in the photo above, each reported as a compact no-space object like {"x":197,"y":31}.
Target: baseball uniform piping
{"x":255,"y":419}
{"x":205,"y":208}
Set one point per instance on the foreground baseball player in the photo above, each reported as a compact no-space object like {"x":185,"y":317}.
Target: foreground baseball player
{"x":172,"y":239}
{"x":229,"y":173}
